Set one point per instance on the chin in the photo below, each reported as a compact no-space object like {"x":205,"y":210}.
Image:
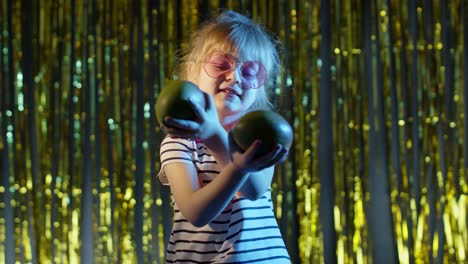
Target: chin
{"x":231,"y":116}
{"x":230,"y":108}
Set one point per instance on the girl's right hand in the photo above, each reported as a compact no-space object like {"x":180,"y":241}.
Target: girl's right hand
{"x":203,"y":127}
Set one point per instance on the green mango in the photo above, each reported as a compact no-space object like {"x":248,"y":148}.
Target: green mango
{"x":173,"y":100}
{"x":268,"y":126}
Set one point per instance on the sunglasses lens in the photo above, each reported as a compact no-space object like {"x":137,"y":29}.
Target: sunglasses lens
{"x":253,"y":74}
{"x":217,"y":65}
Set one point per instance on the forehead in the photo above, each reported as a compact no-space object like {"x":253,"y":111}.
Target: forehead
{"x":246,"y":45}
{"x":238,"y":53}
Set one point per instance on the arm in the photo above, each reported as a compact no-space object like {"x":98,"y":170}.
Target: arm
{"x":257,"y":182}
{"x":201,"y":205}
{"x":237,"y":168}
{"x":261,"y":170}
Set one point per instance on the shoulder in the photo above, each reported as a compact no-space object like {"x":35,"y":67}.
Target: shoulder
{"x":185,"y":151}
{"x":175,"y":150}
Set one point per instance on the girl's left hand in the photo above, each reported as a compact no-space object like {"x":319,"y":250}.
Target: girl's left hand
{"x":203,"y":127}
{"x":250,"y":161}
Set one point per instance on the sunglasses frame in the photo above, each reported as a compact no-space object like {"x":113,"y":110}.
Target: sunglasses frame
{"x":234,"y":66}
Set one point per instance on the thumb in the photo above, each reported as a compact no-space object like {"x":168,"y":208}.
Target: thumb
{"x":252,"y":149}
{"x":209,"y":103}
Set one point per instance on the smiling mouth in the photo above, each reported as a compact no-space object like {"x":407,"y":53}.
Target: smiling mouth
{"x":229,"y":91}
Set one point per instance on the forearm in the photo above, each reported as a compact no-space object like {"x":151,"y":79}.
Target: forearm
{"x":206,"y":203}
{"x":257,"y":183}
{"x":218,"y":144}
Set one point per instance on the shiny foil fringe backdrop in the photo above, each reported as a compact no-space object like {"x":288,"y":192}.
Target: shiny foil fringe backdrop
{"x":376,"y":92}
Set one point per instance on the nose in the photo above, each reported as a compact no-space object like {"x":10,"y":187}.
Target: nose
{"x":234,"y":76}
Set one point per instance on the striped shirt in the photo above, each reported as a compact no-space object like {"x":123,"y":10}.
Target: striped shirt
{"x":245,"y":232}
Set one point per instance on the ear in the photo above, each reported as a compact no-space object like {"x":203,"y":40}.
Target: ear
{"x":192,"y":74}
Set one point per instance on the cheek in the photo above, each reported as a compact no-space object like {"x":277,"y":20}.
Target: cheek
{"x":196,"y":77}
{"x":208,"y":85}
{"x":250,"y":96}
{"x":193,"y":79}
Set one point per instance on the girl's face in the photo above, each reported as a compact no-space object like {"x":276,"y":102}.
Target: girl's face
{"x":233,"y":84}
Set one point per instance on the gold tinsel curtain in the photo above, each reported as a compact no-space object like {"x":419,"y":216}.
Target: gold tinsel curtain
{"x":375,"y":89}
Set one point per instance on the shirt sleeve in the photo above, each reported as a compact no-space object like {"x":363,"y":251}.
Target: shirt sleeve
{"x":175,"y":150}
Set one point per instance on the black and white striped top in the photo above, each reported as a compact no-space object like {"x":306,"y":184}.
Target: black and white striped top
{"x":245,"y":232}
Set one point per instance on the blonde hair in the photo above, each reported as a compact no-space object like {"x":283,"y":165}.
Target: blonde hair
{"x":235,"y":33}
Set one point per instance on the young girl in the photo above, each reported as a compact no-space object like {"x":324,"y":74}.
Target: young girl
{"x":222,"y":202}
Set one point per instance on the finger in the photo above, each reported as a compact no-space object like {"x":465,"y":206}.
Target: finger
{"x":174,"y":132}
{"x":180,"y":135}
{"x":280,"y":153}
{"x":252,"y":149}
{"x":273,"y":157}
{"x":281,"y":156}
{"x":181,"y":124}
{"x":234,"y":147}
{"x":284,"y":157}
{"x":209,"y":102}
{"x":178,"y":132}
{"x":197,"y":109}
